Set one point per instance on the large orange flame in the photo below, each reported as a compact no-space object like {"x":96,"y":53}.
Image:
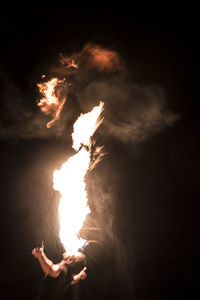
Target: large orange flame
{"x":69,"y":181}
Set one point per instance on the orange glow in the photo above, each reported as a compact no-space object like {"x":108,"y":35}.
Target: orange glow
{"x":102,"y":59}
{"x":69,"y":181}
{"x":69,"y":62}
{"x":51,"y":104}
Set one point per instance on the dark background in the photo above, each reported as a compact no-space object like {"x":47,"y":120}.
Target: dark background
{"x":155,"y":183}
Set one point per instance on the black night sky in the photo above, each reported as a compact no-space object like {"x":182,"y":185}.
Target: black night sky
{"x":144,"y":193}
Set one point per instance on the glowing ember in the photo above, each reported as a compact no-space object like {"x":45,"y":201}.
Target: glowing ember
{"x":69,"y":181}
{"x":51,"y":103}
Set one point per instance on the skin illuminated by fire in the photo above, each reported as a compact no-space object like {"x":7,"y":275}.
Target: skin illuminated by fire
{"x":69,"y":181}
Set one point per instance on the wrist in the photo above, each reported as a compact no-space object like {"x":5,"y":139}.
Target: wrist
{"x":40,"y":256}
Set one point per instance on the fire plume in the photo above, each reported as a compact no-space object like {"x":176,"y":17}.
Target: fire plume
{"x":52,"y":102}
{"x":85,"y":126}
{"x":70,"y":180}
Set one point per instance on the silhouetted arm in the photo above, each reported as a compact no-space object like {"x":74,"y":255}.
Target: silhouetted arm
{"x":48,"y":267}
{"x":80,"y":276}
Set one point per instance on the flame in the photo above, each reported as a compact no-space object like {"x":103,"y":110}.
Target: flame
{"x":85,"y":127}
{"x":69,"y":181}
{"x":51,"y":103}
{"x":69,"y":62}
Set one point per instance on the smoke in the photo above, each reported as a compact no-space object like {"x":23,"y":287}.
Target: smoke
{"x":100,"y":59}
{"x":133,"y":112}
{"x":21,"y":118}
{"x":91,"y":58}
{"x":114,"y":234}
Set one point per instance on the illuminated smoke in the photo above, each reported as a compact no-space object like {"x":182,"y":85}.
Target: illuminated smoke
{"x":101,"y":59}
{"x":91,"y":58}
{"x":134,"y":111}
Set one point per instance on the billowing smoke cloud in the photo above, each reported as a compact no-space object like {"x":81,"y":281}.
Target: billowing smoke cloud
{"x":133,"y":112}
{"x":54,"y":91}
{"x":100,"y":59}
{"x":91,"y":58}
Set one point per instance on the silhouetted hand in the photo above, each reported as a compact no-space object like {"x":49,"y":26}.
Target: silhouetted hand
{"x":38,"y":251}
{"x":83,"y":274}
